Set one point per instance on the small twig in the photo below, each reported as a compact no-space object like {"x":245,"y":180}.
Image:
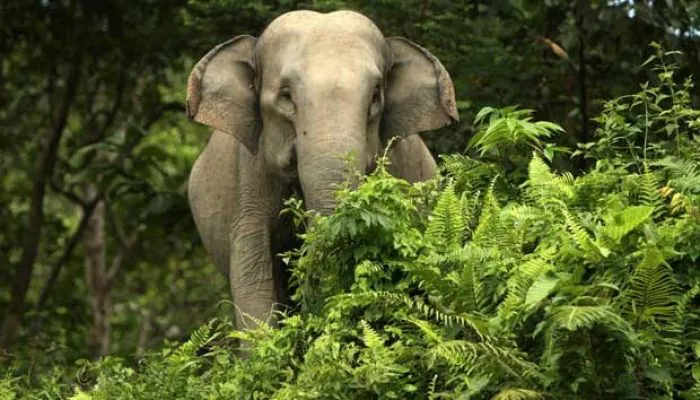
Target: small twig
{"x":72,"y":196}
{"x":57,"y":266}
{"x":118,"y":228}
{"x":120,"y":258}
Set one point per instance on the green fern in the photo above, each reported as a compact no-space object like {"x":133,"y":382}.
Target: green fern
{"x":508,"y":359}
{"x":468,"y":174}
{"x":653,"y":292}
{"x":649,"y":191}
{"x":685,"y":173}
{"x":430,"y":332}
{"x":200,"y":337}
{"x":574,"y":318}
{"x":446,"y":223}
{"x":590,"y":248}
{"x":370,"y":337}
{"x":368,"y":268}
{"x":679,"y":202}
{"x":492,"y":229}
{"x":543,"y":185}
{"x":521,"y":280}
{"x":467,"y":280}
{"x":348,"y":301}
{"x":518,"y":394}
{"x":685,"y":302}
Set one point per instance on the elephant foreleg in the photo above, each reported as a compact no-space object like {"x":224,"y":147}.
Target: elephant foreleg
{"x":411,"y":160}
{"x":251,"y":274}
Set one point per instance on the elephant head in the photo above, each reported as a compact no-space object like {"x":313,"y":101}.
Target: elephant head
{"x":314,"y":87}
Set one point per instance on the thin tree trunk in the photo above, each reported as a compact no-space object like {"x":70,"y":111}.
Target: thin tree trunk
{"x":144,"y":331}
{"x":582,"y":77}
{"x":96,"y":278}
{"x":45,"y":165}
{"x":99,"y":276}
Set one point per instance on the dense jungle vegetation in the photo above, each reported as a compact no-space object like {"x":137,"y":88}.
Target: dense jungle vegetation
{"x":555,"y":256}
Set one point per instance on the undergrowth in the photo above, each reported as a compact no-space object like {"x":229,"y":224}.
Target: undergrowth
{"x":475,"y":285}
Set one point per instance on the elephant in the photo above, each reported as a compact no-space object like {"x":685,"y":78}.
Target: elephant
{"x":285,"y":107}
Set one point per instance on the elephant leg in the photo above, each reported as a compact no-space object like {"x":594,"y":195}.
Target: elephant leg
{"x":251,"y":274}
{"x":411,"y":160}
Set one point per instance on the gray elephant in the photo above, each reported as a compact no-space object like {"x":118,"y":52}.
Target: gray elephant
{"x":286,"y":107}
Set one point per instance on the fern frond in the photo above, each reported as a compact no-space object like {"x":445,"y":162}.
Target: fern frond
{"x":649,"y":191}
{"x":685,"y":300}
{"x":368,"y":267}
{"x":518,"y":394}
{"x":493,"y":230}
{"x":199,"y":338}
{"x":469,"y":174}
{"x":428,"y":330}
{"x":543,"y":185}
{"x":431,"y":390}
{"x":539,"y":173}
{"x":653,"y":292}
{"x":470,"y":204}
{"x":574,"y":318}
{"x":464,"y":353}
{"x":590,"y":248}
{"x":463,"y":282}
{"x":541,"y":288}
{"x":685,"y":173}
{"x":446,"y":223}
{"x":370,"y":337}
{"x":354,"y":300}
{"x":522,"y":214}
{"x":521,"y":280}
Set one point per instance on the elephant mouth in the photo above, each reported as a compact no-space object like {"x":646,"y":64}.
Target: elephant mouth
{"x":288,"y":167}
{"x":290,"y":174}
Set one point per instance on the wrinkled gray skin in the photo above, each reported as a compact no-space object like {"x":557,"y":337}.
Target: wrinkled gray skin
{"x":286,"y":107}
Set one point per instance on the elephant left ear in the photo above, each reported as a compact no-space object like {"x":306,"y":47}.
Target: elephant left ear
{"x":419,"y":94}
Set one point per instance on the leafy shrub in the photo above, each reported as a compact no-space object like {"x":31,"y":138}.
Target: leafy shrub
{"x":477,"y":286}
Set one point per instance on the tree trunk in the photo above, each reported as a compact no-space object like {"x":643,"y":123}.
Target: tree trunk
{"x":582,"y":8}
{"x":144,"y":331}
{"x":96,"y":278}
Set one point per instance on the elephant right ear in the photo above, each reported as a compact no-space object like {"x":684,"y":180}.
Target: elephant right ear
{"x":221,"y":93}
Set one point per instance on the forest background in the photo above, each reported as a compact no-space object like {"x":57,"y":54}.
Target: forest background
{"x":98,"y":251}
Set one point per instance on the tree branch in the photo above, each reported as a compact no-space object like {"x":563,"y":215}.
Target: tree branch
{"x":57,"y":266}
{"x":120,"y":258}
{"x":72,"y":196}
{"x":118,"y":229}
{"x":118,"y":98}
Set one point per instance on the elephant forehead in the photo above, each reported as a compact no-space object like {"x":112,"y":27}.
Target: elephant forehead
{"x":324,"y":66}
{"x":308,"y":28}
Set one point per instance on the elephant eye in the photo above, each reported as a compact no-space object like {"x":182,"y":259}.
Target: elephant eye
{"x":286,"y":93}
{"x":286,"y":102}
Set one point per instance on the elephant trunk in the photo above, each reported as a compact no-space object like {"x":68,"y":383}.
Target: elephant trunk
{"x":324,"y":167}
